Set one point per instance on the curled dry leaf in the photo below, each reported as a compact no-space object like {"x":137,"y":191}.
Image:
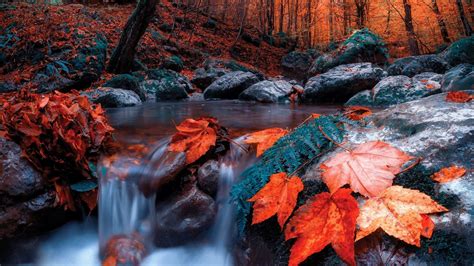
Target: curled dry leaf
{"x":448,"y":174}
{"x":324,"y":219}
{"x":398,"y":211}
{"x":369,"y":169}
{"x":265,"y":138}
{"x":459,"y":97}
{"x":357,"y":112}
{"x":195,"y":137}
{"x":124,"y":250}
{"x":64,"y":196}
{"x":278,"y":197}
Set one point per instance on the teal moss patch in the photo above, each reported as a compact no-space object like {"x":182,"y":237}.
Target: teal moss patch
{"x":419,"y":178}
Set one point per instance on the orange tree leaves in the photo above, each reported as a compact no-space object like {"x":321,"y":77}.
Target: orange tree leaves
{"x":195,"y":137}
{"x":448,"y":174}
{"x":398,"y":211}
{"x":59,"y":133}
{"x":325,"y":219}
{"x":369,"y":168}
{"x":357,"y":112}
{"x":459,"y":97}
{"x":278,"y":196}
{"x":265,"y":138}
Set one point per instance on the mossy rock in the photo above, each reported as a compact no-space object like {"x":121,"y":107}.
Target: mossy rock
{"x":165,"y":85}
{"x":126,"y":82}
{"x":362,"y":46}
{"x":460,"y":52}
{"x":174,"y":63}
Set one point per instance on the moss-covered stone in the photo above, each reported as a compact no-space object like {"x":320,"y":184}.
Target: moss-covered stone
{"x":166,"y":85}
{"x":460,"y":52}
{"x":126,"y":82}
{"x":174,"y":63}
{"x":362,"y":46}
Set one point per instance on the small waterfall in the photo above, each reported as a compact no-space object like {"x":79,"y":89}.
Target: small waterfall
{"x":123,"y":208}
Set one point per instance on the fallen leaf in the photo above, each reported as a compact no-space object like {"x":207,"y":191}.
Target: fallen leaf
{"x":278,"y":197}
{"x":427,"y":226}
{"x":315,"y":116}
{"x":195,"y":137}
{"x":448,"y":174}
{"x":458,"y":97}
{"x":265,"y":138}
{"x":357,"y":112}
{"x":398,"y":211}
{"x":369,"y":169}
{"x":324,"y":219}
{"x":90,"y":198}
{"x":64,"y":196}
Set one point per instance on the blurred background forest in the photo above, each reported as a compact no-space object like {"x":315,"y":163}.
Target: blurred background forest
{"x":409,"y":27}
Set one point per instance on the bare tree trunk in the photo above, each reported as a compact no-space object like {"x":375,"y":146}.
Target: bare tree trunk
{"x":281,"y":16}
{"x":408,"y":19}
{"x":442,"y":25}
{"x":360,"y":12}
{"x":345,"y":6}
{"x":331,"y":20}
{"x":121,"y":60}
{"x":465,"y":23}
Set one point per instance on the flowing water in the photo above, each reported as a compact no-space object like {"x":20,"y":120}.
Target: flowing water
{"x":124,"y":210}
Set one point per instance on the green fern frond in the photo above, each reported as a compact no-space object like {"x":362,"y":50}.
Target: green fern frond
{"x":286,"y":155}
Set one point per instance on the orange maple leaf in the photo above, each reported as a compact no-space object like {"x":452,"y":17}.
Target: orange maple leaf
{"x":357,"y":112}
{"x":265,"y":138}
{"x":398,"y":212}
{"x":459,"y":97}
{"x":369,"y":168}
{"x":195,"y":137}
{"x":278,"y":196}
{"x":324,"y":219}
{"x":427,"y":226}
{"x":448,"y":174}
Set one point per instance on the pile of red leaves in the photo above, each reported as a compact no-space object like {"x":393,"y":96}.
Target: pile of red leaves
{"x":60,"y":134}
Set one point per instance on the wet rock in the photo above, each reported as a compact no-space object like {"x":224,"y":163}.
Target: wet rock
{"x":267,"y":91}
{"x":164,"y":85}
{"x":204,"y":77}
{"x":296,"y":64}
{"x":208,"y":177}
{"x":7,"y":87}
{"x":342,"y":82}
{"x":173,"y":63}
{"x":460,"y":52}
{"x":230,"y":85}
{"x":162,"y":172}
{"x":126,"y":82}
{"x":183,"y":216}
{"x":412,"y":65}
{"x":459,"y":78}
{"x":362,"y":46}
{"x":112,"y":98}
{"x":28,"y":203}
{"x":398,"y":89}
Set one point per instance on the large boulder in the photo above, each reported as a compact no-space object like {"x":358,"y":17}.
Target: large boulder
{"x":341,"y":83}
{"x":28,"y":201}
{"x":362,"y":46}
{"x":183,"y":216}
{"x":460,"y":52}
{"x":126,"y":82}
{"x":297,"y":63}
{"x":230,"y":85}
{"x":412,"y":65}
{"x":398,"y":89}
{"x":112,"y":97}
{"x":164,"y":85}
{"x":268,"y":91}
{"x":459,"y":78}
{"x":203,"y":77}
{"x":441,"y":134}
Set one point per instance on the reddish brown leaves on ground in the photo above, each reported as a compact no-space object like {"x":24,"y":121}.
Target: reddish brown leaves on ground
{"x":265,"y":138}
{"x":459,"y":97}
{"x":448,"y":174}
{"x":195,"y":137}
{"x":57,"y":131}
{"x":278,"y":197}
{"x":398,"y":211}
{"x":60,"y":135}
{"x":369,"y":169}
{"x":357,"y":112}
{"x":325,"y":219}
